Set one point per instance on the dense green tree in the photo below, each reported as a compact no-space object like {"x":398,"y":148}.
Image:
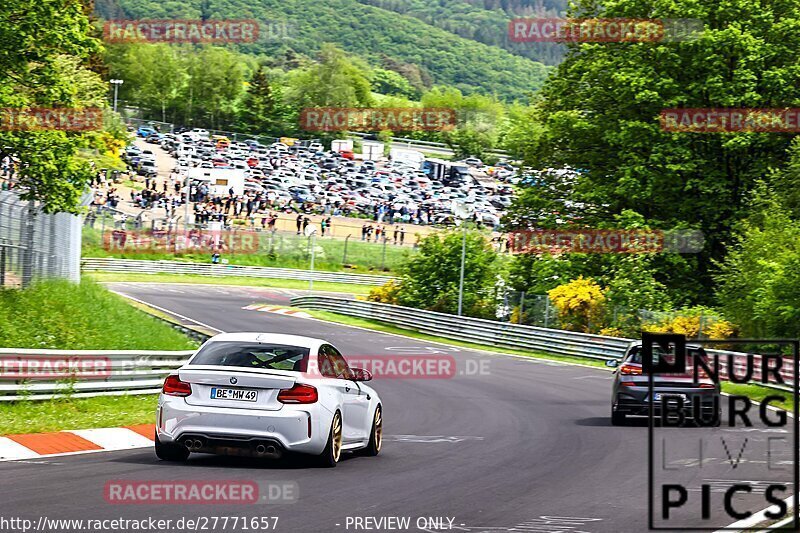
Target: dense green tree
{"x":600,"y":115}
{"x":154,"y":74}
{"x":45,"y":46}
{"x":757,"y":282}
{"x":391,"y":83}
{"x":336,"y":80}
{"x":430,"y":278}
{"x":263,"y":110}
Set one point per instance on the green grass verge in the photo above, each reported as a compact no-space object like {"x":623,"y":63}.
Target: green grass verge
{"x":324,"y":286}
{"x":758,"y":393}
{"x":85,"y":316}
{"x":77,"y":413}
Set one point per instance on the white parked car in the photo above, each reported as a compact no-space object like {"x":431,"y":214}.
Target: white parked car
{"x":265,"y":394}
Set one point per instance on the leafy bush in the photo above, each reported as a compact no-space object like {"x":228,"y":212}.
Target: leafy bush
{"x":580,"y":304}
{"x":430,"y":279}
{"x":385,"y":294}
{"x":611,"y":332}
{"x":693,"y":322}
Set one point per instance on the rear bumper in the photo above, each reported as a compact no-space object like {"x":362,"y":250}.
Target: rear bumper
{"x":225,"y":427}
{"x":635,"y":402}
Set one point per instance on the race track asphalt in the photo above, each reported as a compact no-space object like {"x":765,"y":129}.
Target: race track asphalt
{"x":522,"y":445}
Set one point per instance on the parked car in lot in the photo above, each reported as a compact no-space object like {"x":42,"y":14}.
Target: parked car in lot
{"x":631,"y":393}
{"x":266,"y":394}
{"x":147,"y":167}
{"x":144,"y":131}
{"x":345,"y":186}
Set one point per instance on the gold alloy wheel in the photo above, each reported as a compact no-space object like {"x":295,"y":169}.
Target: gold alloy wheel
{"x":378,"y":429}
{"x":337,"y":437}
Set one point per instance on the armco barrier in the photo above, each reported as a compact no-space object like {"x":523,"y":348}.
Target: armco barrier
{"x":130,"y":372}
{"x":492,"y":333}
{"x":506,"y":335}
{"x":144,"y":266}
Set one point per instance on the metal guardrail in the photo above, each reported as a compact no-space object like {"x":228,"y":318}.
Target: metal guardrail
{"x":507,"y":335}
{"x":144,"y":266}
{"x":500,"y":334}
{"x":119,"y":372}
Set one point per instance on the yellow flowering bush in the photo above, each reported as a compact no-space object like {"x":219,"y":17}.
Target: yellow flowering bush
{"x":687,"y":322}
{"x":386,"y":293}
{"x":611,"y":332}
{"x":580,"y":304}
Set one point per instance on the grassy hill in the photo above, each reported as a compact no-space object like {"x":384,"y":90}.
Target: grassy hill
{"x":376,"y":34}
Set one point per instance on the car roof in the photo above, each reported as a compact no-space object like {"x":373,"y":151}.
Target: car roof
{"x":270,"y":338}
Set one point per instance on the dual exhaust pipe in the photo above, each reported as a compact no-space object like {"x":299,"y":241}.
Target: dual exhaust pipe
{"x":262,"y":449}
{"x":193,"y":444}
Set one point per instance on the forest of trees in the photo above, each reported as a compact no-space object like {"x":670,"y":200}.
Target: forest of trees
{"x":378,"y":36}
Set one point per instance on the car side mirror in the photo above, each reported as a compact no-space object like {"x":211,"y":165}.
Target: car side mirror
{"x":612,"y":363}
{"x":360,"y":374}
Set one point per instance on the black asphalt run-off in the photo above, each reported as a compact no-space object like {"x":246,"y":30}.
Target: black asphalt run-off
{"x":526,"y":440}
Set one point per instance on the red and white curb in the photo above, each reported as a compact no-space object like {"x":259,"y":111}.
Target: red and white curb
{"x":278,"y":310}
{"x":34,"y":445}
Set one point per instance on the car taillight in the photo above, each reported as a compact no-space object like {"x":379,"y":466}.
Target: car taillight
{"x":630,"y":370}
{"x":628,"y":383}
{"x":707,"y":386}
{"x":173,"y":386}
{"x":299,"y":394}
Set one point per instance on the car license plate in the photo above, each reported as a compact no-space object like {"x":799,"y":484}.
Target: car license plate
{"x":244,"y":395}
{"x":668,"y":396}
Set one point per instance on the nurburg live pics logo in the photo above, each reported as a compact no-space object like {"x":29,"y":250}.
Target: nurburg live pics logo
{"x":744,"y":454}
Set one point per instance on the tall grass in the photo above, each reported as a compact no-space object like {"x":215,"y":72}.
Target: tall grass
{"x":84,"y":316}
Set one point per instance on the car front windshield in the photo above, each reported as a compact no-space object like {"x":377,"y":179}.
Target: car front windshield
{"x":253,"y":355}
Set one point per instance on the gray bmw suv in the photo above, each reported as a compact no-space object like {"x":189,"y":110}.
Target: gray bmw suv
{"x":699,"y":399}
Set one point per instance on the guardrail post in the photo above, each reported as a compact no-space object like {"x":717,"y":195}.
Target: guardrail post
{"x":344,"y":255}
{"x":2,"y":265}
{"x":28,"y":227}
{"x":521,"y":307}
{"x":546,"y":311}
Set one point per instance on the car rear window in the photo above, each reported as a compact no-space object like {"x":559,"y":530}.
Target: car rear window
{"x":635,"y":355}
{"x":253,"y":355}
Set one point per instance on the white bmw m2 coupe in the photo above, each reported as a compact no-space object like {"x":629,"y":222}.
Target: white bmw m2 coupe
{"x":264,"y":394}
